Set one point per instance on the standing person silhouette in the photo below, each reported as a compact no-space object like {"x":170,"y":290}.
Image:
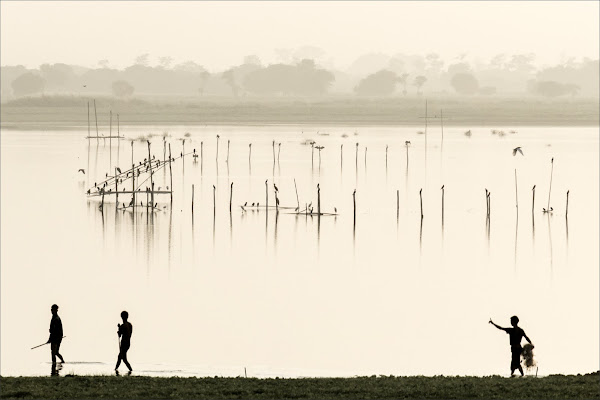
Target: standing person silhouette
{"x":56,"y":334}
{"x":124,"y":332}
{"x":516,"y":334}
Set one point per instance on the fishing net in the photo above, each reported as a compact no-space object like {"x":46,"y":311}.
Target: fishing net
{"x":527,"y":354}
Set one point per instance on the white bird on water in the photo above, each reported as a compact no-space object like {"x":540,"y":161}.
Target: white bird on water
{"x":519,"y":150}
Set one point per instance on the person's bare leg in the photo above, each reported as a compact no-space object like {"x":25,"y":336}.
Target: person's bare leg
{"x":521,"y":370}
{"x":127,"y":362}
{"x":118,"y":362}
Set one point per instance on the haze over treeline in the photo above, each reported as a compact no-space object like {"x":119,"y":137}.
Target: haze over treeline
{"x":303,"y":73}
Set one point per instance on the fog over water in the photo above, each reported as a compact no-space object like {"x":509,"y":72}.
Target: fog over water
{"x":212,"y":292}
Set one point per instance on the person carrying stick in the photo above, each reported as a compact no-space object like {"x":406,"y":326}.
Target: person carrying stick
{"x":516,"y":334}
{"x":56,"y":335}
{"x":124,"y":332}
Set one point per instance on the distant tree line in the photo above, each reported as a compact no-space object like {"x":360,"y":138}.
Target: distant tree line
{"x":396,"y":76}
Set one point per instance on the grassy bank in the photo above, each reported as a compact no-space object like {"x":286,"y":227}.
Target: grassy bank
{"x":137,"y":387}
{"x":65,"y":112}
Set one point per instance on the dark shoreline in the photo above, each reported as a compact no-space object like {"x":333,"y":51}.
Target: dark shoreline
{"x":382,"y":387}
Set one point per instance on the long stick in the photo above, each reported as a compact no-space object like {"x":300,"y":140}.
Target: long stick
{"x":214,"y":201}
{"x":397,"y":202}
{"x":132,"y":177}
{"x":230,"y":196}
{"x":567,"y":209}
{"x":354,"y":201}
{"x":318,"y":200}
{"x":171,"y":172}
{"x":550,"y":190}
{"x":43,"y":344}
{"x":386,"y":155}
{"x":192,"y":198}
{"x":533,"y":200}
{"x":88,"y":121}
{"x":96,"y":116}
{"x":151,"y":176}
{"x":443,"y":202}
{"x":421,"y":200}
{"x":297,"y":200}
{"x":267,"y":195}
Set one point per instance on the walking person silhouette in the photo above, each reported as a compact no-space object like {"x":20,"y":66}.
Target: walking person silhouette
{"x":124,"y":332}
{"x":516,"y":334}
{"x":56,"y":334}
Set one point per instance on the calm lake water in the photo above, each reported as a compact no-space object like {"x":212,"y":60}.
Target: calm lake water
{"x":213,"y":292}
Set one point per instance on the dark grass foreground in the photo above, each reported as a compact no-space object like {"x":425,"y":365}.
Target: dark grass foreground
{"x":137,"y":387}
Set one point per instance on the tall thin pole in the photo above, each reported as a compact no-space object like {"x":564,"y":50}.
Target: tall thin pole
{"x":171,"y":172}
{"x":386,"y":155}
{"x":442,"y":124}
{"x":230,"y":196}
{"x":267,"y":195}
{"x":227,"y":150}
{"x":397,"y":203}
{"x":354,"y":201}
{"x":319,"y":200}
{"x":192,"y":198}
{"x":421,"y":200}
{"x":567,"y":208}
{"x":96,"y":117}
{"x":151,"y":176}
{"x":550,"y":190}
{"x":533,"y":200}
{"x":297,"y":199}
{"x":443,"y":202}
{"x":88,"y":104}
{"x":132,"y":177}
{"x":217,"y":155}
{"x":110,"y":141}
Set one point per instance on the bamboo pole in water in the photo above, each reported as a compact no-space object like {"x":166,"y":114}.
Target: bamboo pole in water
{"x":116,"y":188}
{"x":354,"y":201}
{"x":267,"y":195}
{"x":96,"y":117}
{"x":278,"y":152}
{"x":341,"y":154}
{"x":397,"y":203}
{"x":164,"y":149}
{"x":217,"y":155}
{"x":533,"y":200}
{"x":151,"y":175}
{"x":171,"y":173}
{"x":230,"y":196}
{"x":88,"y":104}
{"x":132,"y":177}
{"x":318,"y":200}
{"x":421,"y":200}
{"x":250,"y":154}
{"x":110,"y":140}
{"x":214,"y":200}
{"x":386,"y":155}
{"x":192,"y":198}
{"x":102,"y":205}
{"x":567,"y":207}
{"x":297,"y":199}
{"x":227,"y":151}
{"x":550,"y":190}
{"x":487,"y":203}
{"x":443,"y":201}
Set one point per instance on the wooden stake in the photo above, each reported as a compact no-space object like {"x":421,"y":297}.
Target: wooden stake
{"x":151,"y":175}
{"x":297,"y":199}
{"x":550,"y":190}
{"x":102,"y":205}
{"x":443,"y":202}
{"x":230,"y":196}
{"x":318,"y":200}
{"x":214,"y":200}
{"x":397,"y":202}
{"x":356,"y":156}
{"x":278,"y":152}
{"x":192,"y":198}
{"x":533,"y":200}
{"x":341,"y":154}
{"x":250,"y":154}
{"x":421,"y":199}
{"x":365,"y":156}
{"x":312,"y":153}
{"x":267,"y":195}
{"x":171,"y":172}
{"x":567,"y":208}
{"x":88,"y":103}
{"x":96,"y":117}
{"x":116,"y":188}
{"x":227,"y":151}
{"x":132,"y":177}
{"x":217,"y":155}
{"x":354,"y":201}
{"x":386,"y":155}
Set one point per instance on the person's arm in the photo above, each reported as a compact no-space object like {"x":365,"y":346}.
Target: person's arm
{"x":497,"y":326}
{"x":50,"y":330}
{"x":526,"y":338}
{"x":119,"y":330}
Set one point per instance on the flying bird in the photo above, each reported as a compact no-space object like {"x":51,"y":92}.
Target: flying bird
{"x":81,"y":170}
{"x":517,"y":149}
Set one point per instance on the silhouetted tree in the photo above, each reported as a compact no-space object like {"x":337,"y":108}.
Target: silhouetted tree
{"x":58,"y":75}
{"x":122,"y":89}
{"x":381,"y":83}
{"x":403,"y":79}
{"x":465,"y":83}
{"x":419,"y":82}
{"x":229,"y":77}
{"x":28,"y":83}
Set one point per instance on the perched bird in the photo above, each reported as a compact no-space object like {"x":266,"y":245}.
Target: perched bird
{"x":118,"y":169}
{"x":81,"y":170}
{"x":517,"y":149}
{"x":88,"y":192}
{"x":442,"y":187}
{"x":252,"y":205}
{"x":276,"y":189}
{"x":256,"y":204}
{"x":277,"y":200}
{"x":245,"y":204}
{"x":335,"y":210}
{"x":407,"y":143}
{"x":243,"y":209}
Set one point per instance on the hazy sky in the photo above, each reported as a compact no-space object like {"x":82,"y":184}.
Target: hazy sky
{"x":217,"y":35}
